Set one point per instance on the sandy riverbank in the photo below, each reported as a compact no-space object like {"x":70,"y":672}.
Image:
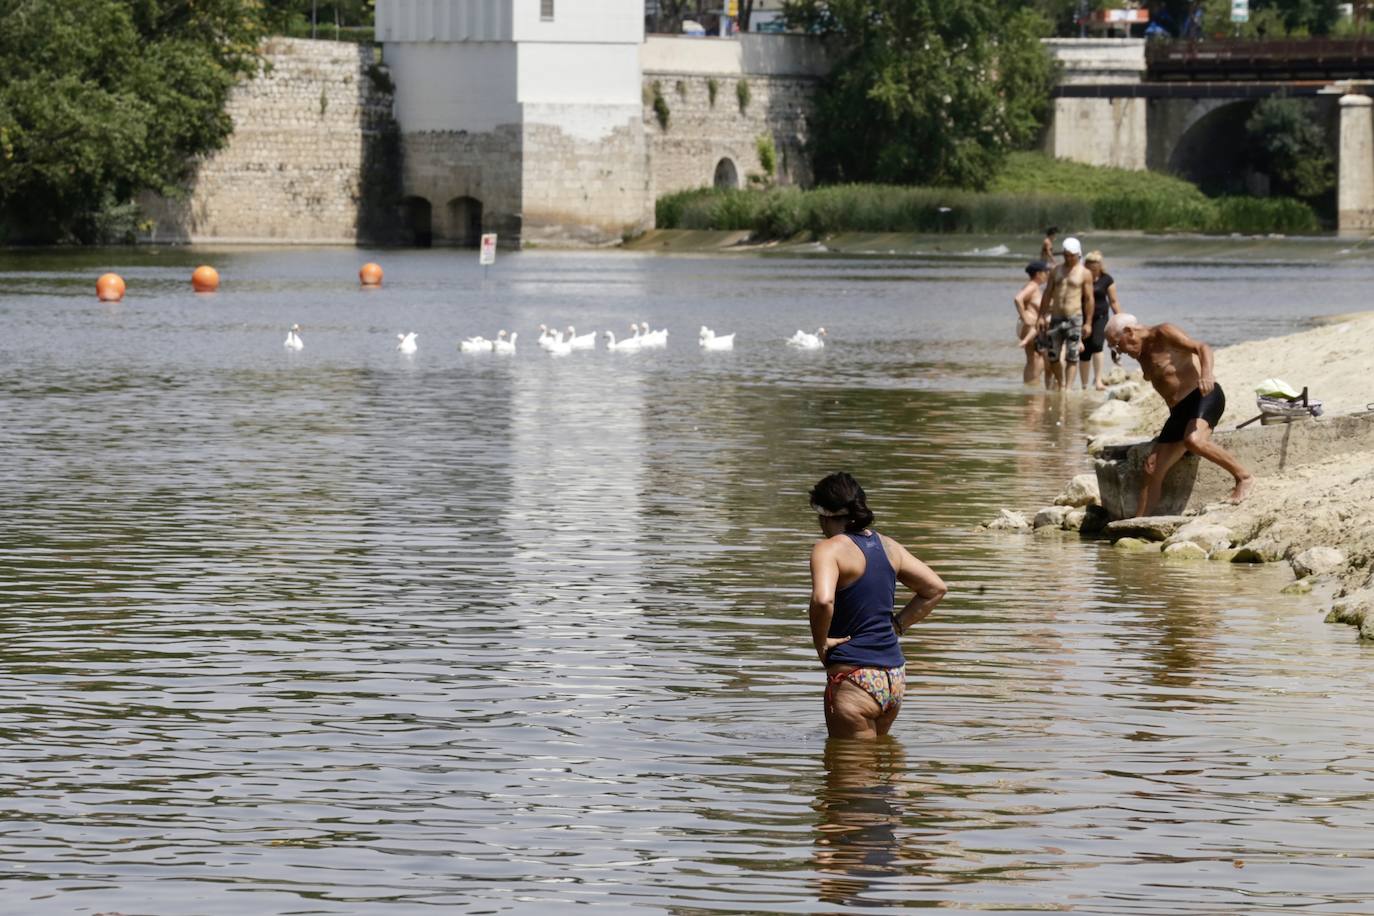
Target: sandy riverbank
{"x":1317,"y":517}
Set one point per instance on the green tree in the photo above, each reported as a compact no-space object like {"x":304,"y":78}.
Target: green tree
{"x":1288,"y":145}
{"x":294,"y":16}
{"x":102,"y":99}
{"x":926,"y":91}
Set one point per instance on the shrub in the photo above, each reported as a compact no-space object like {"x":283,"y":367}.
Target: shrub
{"x":784,"y":212}
{"x":712,"y":87}
{"x":742,"y":94}
{"x":1257,"y":215}
{"x":768,"y":155}
{"x":661,"y":110}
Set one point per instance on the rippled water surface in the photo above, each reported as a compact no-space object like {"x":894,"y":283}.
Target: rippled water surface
{"x":346,"y":631}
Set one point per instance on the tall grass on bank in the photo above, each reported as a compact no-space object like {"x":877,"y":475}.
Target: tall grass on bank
{"x":1025,"y":198}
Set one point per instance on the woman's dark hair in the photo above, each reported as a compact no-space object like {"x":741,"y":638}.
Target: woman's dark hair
{"x":1053,"y":230}
{"x":840,"y":492}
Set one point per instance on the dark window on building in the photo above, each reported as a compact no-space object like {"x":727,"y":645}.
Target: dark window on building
{"x":546,"y":10}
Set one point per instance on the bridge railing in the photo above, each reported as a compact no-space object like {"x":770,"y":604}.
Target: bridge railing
{"x":1308,"y":58}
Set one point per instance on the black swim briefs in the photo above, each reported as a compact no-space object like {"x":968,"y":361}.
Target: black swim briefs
{"x":1193,"y":407}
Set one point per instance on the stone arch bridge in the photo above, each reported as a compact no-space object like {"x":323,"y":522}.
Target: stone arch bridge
{"x":1177,"y":107}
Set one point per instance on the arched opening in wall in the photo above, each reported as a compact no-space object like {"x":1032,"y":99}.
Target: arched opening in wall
{"x":417,"y":222}
{"x":1212,"y":152}
{"x":727,"y":176}
{"x":465,"y":222}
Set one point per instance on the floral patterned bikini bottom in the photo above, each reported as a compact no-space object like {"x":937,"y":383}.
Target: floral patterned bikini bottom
{"x":884,"y":685}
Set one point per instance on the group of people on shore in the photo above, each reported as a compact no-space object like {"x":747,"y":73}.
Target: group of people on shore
{"x":1061,"y":315}
{"x":856,"y":626}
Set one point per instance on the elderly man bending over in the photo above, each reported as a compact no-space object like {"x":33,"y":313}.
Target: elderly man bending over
{"x":1180,"y":368}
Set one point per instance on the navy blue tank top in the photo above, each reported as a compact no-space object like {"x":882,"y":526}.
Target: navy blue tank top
{"x":863,"y":611}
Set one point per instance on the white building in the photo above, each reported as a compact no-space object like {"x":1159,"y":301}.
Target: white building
{"x":522,"y":117}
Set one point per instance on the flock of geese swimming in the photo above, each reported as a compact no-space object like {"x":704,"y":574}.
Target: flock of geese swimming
{"x":561,"y":343}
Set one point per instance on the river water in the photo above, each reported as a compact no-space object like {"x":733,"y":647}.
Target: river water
{"x":348,"y":631}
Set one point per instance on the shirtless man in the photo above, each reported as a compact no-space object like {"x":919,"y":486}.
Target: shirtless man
{"x":1027,"y":305}
{"x":1047,"y":246}
{"x":1069,"y":297}
{"x":1180,"y":368}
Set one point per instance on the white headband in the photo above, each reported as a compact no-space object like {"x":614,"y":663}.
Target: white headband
{"x":831,"y":513}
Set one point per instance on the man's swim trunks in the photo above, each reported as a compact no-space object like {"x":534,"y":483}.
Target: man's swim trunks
{"x":1193,"y":407}
{"x":1066,"y":330}
{"x":884,"y":685}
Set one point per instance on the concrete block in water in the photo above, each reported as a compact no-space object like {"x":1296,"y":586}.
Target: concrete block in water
{"x":1135,"y":544}
{"x":1148,"y":527}
{"x":1264,"y":450}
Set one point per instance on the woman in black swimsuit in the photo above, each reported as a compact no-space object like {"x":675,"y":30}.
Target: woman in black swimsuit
{"x":1105,"y":304}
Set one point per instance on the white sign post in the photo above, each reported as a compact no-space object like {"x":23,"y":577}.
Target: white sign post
{"x":488,"y":255}
{"x":1240,"y":10}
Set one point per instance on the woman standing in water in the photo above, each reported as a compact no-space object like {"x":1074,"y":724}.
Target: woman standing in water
{"x":854,"y":576}
{"x":1105,"y":304}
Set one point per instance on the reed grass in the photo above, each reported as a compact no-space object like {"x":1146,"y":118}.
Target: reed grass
{"x":1032,"y":193}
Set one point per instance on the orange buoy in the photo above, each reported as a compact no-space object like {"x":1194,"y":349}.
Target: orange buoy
{"x":110,"y":287}
{"x":370,"y":274}
{"x":205,"y":279}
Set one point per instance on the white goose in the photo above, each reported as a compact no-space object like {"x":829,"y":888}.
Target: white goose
{"x":629,"y":344}
{"x":655,"y":339}
{"x":504,"y":344}
{"x":478,"y":344}
{"x":557,"y":346}
{"x":407,"y":343}
{"x":583,"y":342}
{"x":293,"y":339}
{"x":547,"y":337}
{"x":710,"y":340}
{"x":805,"y":341}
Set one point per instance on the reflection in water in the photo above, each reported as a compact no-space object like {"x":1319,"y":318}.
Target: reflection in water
{"x":860,"y":811}
{"x":339,"y":632}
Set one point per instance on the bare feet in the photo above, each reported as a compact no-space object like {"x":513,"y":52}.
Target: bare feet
{"x":1100,"y":387}
{"x":1242,"y":489}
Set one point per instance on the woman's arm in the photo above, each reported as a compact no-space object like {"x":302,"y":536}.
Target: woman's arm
{"x":1111,"y":297}
{"x":825,"y":574}
{"x":929,"y":590}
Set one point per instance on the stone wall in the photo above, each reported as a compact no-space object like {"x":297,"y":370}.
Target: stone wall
{"x":311,"y":159}
{"x":712,"y":135}
{"x":584,"y":187}
{"x":443,"y":166}
{"x":1098,"y":131}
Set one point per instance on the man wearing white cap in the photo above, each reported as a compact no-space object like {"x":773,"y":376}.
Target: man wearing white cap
{"x":1070,"y":297}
